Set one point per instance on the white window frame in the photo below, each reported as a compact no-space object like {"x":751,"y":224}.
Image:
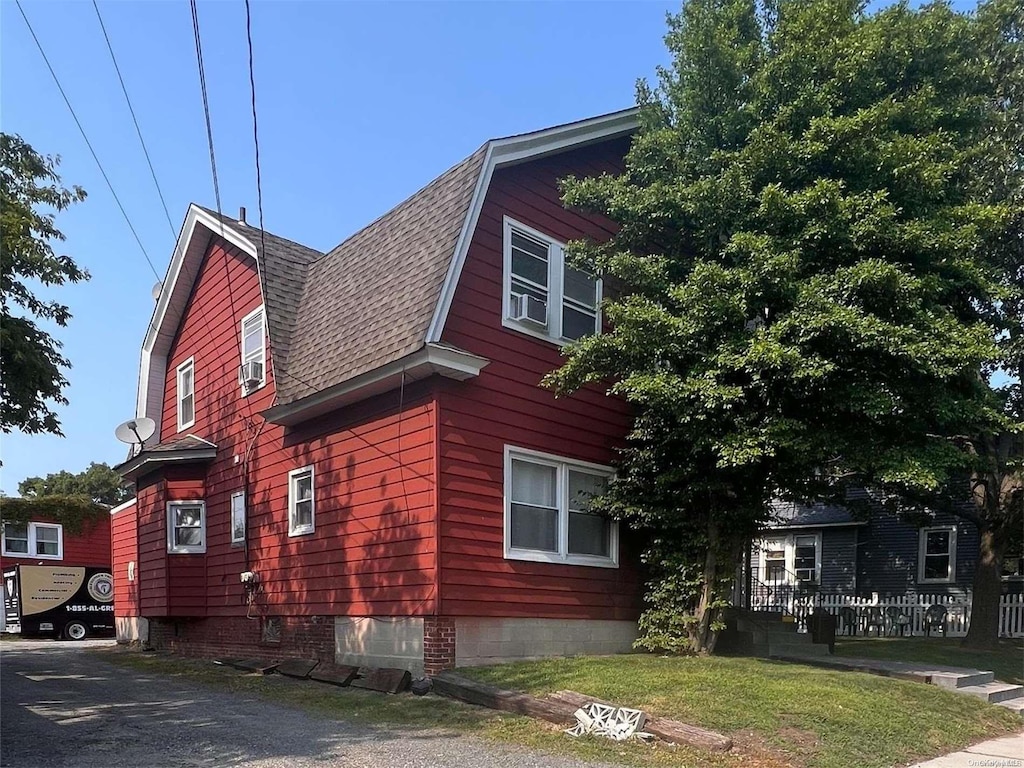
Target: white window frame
{"x":922,"y":546}
{"x":562,"y":556}
{"x":32,"y":529}
{"x":186,"y":549}
{"x":293,"y":476}
{"x":189,"y":365}
{"x":789,"y":544}
{"x":231,"y":521}
{"x":262,"y":354}
{"x":556,"y":296}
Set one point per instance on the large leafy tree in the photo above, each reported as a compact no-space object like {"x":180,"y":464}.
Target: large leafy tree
{"x":32,"y":378}
{"x":99,"y":483}
{"x":804,"y":266}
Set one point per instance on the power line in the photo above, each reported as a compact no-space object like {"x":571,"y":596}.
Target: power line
{"x":135,"y":120}
{"x":88,"y":143}
{"x":206,"y":102}
{"x":255,"y":130}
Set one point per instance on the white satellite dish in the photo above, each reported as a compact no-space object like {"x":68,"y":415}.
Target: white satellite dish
{"x":159,"y":286}
{"x":135,"y":431}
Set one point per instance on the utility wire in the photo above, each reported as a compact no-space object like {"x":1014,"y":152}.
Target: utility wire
{"x":135,"y":120}
{"x":206,"y":103}
{"x":255,"y":130}
{"x":84,"y":136}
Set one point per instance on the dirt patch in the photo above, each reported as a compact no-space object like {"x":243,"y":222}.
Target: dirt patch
{"x":789,"y":748}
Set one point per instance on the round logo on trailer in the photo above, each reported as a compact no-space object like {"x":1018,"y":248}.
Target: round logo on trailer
{"x":101,"y":588}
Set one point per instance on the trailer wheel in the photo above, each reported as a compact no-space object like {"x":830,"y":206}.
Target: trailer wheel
{"x":75,"y":630}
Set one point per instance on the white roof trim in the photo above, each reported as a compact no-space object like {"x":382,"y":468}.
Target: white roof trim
{"x":432,"y":359}
{"x":517,"y":149}
{"x":170,"y":305}
{"x":123,"y":505}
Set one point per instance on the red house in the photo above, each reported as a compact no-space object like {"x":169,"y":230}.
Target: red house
{"x":355,"y":459}
{"x":43,"y":541}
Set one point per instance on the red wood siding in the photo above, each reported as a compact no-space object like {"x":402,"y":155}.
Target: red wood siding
{"x":373,"y":548}
{"x":89,"y":547}
{"x":124,"y":528}
{"x":506,"y":406}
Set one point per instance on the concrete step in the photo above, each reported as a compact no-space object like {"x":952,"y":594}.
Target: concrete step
{"x":994,"y":693}
{"x":771,"y":637}
{"x":775,"y":628}
{"x":796,"y":651}
{"x":1015,"y":705}
{"x":955,"y":680}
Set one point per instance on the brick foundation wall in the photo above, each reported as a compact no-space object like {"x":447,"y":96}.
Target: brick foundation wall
{"x":310,"y":637}
{"x":438,"y":644}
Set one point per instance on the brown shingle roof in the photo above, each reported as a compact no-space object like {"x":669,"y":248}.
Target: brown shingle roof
{"x":367,"y":302}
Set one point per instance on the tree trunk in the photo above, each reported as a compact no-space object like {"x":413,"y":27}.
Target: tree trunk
{"x":987,"y":589}
{"x":703,"y":640}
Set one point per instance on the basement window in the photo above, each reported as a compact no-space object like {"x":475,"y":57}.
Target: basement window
{"x":186,"y":527}
{"x":544,"y":296}
{"x":39,"y":541}
{"x":547,"y":515}
{"x":301,"y":506}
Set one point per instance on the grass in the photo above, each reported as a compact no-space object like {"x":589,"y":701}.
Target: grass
{"x":1007,"y":662}
{"x":799,"y":715}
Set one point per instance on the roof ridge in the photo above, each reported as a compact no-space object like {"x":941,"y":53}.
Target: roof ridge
{"x":227,"y":220}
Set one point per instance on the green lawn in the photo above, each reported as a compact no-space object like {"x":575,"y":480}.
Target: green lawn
{"x":1007,"y":662}
{"x":803,"y":716}
{"x":780,"y":715}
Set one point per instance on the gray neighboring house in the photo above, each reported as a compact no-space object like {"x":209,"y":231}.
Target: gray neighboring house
{"x":827,"y":550}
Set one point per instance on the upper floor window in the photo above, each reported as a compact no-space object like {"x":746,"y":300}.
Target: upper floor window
{"x":186,"y":526}
{"x":300,"y":501}
{"x":544,"y":296}
{"x":252,"y":373}
{"x":36,"y":540}
{"x":936,"y":559}
{"x":547,"y":515}
{"x":186,"y":394}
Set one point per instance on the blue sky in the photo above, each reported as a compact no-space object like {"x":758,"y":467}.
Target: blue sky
{"x":360,"y":104}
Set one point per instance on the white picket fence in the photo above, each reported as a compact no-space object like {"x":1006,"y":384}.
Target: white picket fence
{"x":958,"y":611}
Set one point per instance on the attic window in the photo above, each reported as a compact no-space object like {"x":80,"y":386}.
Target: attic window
{"x":186,"y":394}
{"x":252,"y":372}
{"x":544,"y":296}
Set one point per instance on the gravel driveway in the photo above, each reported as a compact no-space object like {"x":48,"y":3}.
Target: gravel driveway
{"x":64,"y":708}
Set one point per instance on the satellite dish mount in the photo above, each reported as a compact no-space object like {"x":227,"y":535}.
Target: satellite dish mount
{"x":135,"y":431}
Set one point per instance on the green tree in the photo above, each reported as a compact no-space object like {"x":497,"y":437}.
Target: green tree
{"x":99,"y":483}
{"x":804,"y":266}
{"x":30,"y":357}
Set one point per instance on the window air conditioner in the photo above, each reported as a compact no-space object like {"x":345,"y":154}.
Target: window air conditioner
{"x":529,"y":309}
{"x":251,"y":374}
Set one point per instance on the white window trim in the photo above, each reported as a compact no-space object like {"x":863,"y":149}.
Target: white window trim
{"x":922,"y":544}
{"x":562,"y":557}
{"x":191,"y":549}
{"x":304,"y":530}
{"x":231,"y":520}
{"x":789,"y":544}
{"x":263,"y":350}
{"x":32,"y":528}
{"x":190,"y":363}
{"x":556,"y":267}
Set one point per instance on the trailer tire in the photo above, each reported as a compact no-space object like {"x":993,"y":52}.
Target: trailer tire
{"x":75,"y":630}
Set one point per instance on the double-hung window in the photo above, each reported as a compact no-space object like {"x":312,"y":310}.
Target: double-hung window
{"x":35,"y":540}
{"x":805,"y":558}
{"x":773,"y":555}
{"x":252,"y":373}
{"x":936,"y":560}
{"x":547,"y":510}
{"x":301,"y":505}
{"x":186,"y":527}
{"x":791,"y":559}
{"x":186,"y":394}
{"x":238,"y":518}
{"x":545,"y":296}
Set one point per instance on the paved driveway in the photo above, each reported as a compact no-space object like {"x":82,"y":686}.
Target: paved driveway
{"x":63,"y":708}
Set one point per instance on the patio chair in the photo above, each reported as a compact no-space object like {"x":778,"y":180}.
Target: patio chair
{"x":874,"y":617}
{"x":848,"y":616}
{"x":935,"y":616}
{"x":897,"y":619}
